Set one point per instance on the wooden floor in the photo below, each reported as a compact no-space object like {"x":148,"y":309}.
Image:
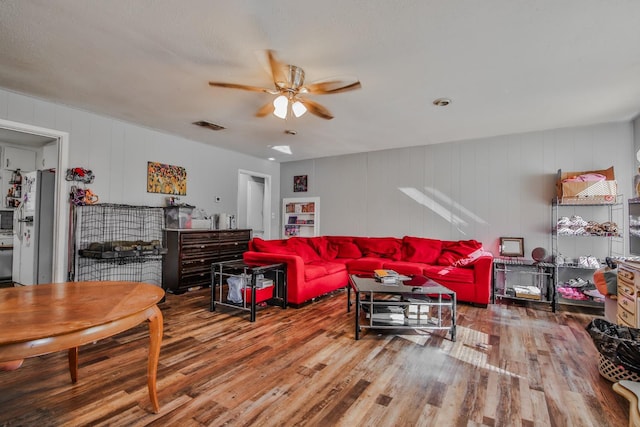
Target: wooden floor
{"x":510,"y":366}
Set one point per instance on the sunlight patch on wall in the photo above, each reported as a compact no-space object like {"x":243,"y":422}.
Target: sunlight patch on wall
{"x":446,"y":199}
{"x":436,"y":207}
{"x":442,"y":205}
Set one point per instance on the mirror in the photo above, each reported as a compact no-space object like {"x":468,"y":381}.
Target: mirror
{"x":512,"y":246}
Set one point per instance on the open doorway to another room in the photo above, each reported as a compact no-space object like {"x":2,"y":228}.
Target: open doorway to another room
{"x":51,"y":149}
{"x":254,"y":203}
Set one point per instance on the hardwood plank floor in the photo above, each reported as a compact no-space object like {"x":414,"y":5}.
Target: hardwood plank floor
{"x":510,"y":366}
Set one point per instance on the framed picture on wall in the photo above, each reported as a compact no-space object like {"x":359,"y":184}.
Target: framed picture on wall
{"x":299,"y":183}
{"x":512,"y":246}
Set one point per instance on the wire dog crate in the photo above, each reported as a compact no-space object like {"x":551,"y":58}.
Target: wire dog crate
{"x":118,"y":242}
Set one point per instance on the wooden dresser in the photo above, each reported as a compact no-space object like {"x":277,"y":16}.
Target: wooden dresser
{"x":187,"y":263}
{"x":628,"y":287}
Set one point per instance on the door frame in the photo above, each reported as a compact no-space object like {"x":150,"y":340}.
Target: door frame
{"x":266,"y":207}
{"x":60,"y":224}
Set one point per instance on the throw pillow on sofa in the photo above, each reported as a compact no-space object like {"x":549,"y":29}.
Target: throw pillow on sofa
{"x":420,"y":249}
{"x":345,"y":247}
{"x":380,"y":247}
{"x":300,"y":247}
{"x":271,"y":246}
{"x":324,"y":247}
{"x":454,"y":251}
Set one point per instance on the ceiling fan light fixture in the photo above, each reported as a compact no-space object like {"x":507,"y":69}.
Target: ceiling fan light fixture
{"x":280,"y":104}
{"x":441,"y":102}
{"x":298,"y":108}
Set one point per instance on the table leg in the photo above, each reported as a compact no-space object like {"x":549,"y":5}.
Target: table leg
{"x":349,"y":297}
{"x":453,"y":317}
{"x":253,"y":298}
{"x":212,"y":306}
{"x":73,"y":364}
{"x":357,"y":314}
{"x":156,"y":327}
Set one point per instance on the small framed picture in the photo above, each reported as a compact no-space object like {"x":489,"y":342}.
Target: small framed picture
{"x":512,"y":246}
{"x":299,"y":183}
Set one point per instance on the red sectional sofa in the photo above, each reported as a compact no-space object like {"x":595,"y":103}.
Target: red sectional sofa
{"x":318,"y":265}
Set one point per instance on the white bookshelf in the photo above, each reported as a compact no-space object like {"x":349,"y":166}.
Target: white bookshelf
{"x":300,"y":217}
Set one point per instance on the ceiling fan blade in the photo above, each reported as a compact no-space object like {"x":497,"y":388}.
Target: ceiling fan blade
{"x":243,"y":87}
{"x":277,"y":70}
{"x":332,"y":86}
{"x":317,"y":109}
{"x":265,"y":110}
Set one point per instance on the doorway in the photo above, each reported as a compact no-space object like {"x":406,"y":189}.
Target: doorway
{"x":254,"y":203}
{"x":24,"y":134}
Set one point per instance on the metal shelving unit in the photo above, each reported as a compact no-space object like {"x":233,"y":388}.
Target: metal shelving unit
{"x":572,"y":277}
{"x":517,"y":279}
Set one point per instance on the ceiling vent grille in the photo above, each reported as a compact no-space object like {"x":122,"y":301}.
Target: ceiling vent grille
{"x":209,"y":125}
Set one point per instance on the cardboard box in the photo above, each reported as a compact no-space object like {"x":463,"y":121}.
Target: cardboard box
{"x":601,"y":192}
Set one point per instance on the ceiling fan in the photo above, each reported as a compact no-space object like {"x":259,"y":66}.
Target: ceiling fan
{"x":291,"y":90}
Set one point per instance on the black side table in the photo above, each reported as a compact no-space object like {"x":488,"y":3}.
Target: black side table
{"x":220,"y":271}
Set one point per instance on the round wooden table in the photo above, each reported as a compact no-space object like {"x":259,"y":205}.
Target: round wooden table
{"x":41,"y":319}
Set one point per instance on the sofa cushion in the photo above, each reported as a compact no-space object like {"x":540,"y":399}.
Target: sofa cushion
{"x":324,"y":247}
{"x":365,"y":264}
{"x":380,"y":247}
{"x":345,"y":248}
{"x":314,"y":271}
{"x":471,"y":258}
{"x":443,"y":274}
{"x":404,"y":267}
{"x":271,"y":246}
{"x":419,"y":249}
{"x":333,"y":267}
{"x":301,"y":248}
{"x":453,"y":251}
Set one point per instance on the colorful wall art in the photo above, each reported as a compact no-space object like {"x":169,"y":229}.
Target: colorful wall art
{"x":166,"y":179}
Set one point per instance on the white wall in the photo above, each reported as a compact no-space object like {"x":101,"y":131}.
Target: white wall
{"x":478,"y":189}
{"x":117,"y":152}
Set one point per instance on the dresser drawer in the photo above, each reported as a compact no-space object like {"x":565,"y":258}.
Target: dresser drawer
{"x":235,"y":235}
{"x":626,"y":275}
{"x":626,"y":318}
{"x":627,"y":303}
{"x":625,"y":288}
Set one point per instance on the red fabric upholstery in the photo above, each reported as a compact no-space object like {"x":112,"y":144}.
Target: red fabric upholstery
{"x":347,"y":249}
{"x":365,"y":265}
{"x":380,"y":247}
{"x":418,"y":249}
{"x":319,"y":265}
{"x":325,"y":248}
{"x":300,"y":247}
{"x":404,"y":267}
{"x":453,"y":251}
{"x":273,"y":246}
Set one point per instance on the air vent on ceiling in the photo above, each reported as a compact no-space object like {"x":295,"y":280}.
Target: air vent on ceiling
{"x":208,"y":125}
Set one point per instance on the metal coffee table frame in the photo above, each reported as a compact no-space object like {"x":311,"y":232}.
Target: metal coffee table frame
{"x":419,"y":291}
{"x":223,"y":269}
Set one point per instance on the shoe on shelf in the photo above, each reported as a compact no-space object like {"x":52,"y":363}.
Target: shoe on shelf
{"x":583,"y":262}
{"x":593,"y":262}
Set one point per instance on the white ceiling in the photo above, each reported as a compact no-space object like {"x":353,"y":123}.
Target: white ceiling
{"x":509,"y":66}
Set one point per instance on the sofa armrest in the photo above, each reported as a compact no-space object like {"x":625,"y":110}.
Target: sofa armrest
{"x":295,"y":265}
{"x":483,"y":272}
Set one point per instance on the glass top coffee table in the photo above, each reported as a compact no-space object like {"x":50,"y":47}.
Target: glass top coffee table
{"x":417,"y":303}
